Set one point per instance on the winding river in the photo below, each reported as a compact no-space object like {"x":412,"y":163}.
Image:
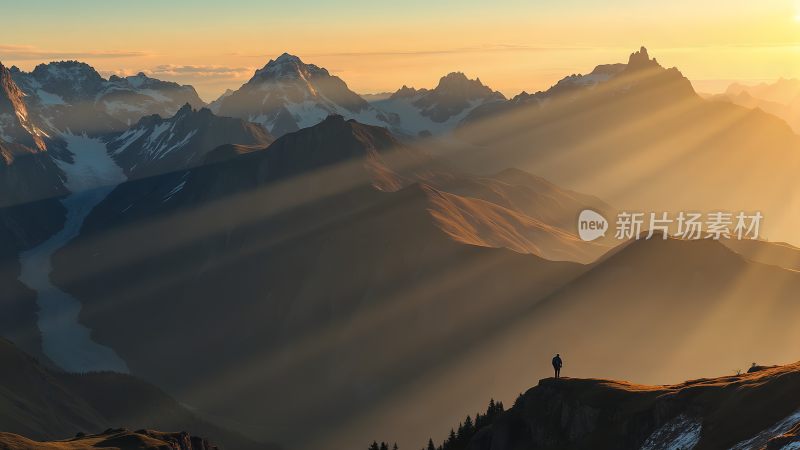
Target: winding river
{"x":67,"y":342}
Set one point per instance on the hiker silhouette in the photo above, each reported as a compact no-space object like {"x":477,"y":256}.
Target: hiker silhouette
{"x":557,"y":363}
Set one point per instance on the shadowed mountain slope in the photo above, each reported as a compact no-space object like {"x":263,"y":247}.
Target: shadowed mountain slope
{"x":642,"y":140}
{"x":155,"y":145}
{"x":311,"y":258}
{"x":43,"y":404}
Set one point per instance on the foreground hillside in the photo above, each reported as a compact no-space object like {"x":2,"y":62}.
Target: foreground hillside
{"x":757,"y":410}
{"x":111,"y":439}
{"x":43,"y":405}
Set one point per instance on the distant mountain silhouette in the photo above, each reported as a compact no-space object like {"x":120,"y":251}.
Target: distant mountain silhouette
{"x":778,"y":254}
{"x":781,"y":98}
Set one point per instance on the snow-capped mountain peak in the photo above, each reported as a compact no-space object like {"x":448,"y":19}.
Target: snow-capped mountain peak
{"x":288,"y":94}
{"x":71,"y":80}
{"x":288,"y":66}
{"x":437,"y":110}
{"x":73,"y":95}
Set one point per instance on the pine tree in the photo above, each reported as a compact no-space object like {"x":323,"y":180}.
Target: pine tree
{"x":384,"y":446}
{"x":451,"y":440}
{"x":374,"y":446}
{"x":394,"y":447}
{"x":469,"y":429}
{"x":459,"y":438}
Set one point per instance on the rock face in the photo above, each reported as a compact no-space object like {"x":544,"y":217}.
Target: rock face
{"x":27,"y":171}
{"x":15,"y":122}
{"x":749,"y":411}
{"x":28,"y":175}
{"x":288,"y":94}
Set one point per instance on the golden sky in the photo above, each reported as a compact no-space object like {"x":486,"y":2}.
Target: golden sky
{"x":379,"y":46}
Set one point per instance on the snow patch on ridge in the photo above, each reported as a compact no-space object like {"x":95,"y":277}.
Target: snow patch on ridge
{"x":48,"y":98}
{"x":681,"y":433}
{"x":760,"y":440}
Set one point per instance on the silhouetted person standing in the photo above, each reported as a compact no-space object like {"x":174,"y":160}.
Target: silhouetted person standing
{"x":557,"y":363}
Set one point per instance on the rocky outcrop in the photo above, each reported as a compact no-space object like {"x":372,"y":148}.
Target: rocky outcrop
{"x":749,"y":411}
{"x":16,"y":125}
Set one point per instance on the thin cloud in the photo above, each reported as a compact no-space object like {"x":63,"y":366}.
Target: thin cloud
{"x":25,"y":52}
{"x":475,"y":49}
{"x":201,"y":71}
{"x":444,"y":51}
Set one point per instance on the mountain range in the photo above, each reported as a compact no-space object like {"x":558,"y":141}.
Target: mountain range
{"x":304,"y":266}
{"x":633,"y":138}
{"x":779,"y":98}
{"x":58,"y":90}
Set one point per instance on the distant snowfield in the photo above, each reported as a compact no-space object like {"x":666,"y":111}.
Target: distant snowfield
{"x":412,"y":121}
{"x":64,"y":340}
